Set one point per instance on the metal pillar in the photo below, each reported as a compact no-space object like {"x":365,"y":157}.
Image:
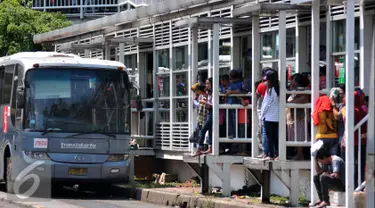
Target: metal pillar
{"x":172,"y":87}
{"x":87,"y":53}
{"x":193,"y":54}
{"x":209,"y":44}
{"x":329,"y":71}
{"x":107,"y":52}
{"x":366,"y":21}
{"x":371,"y":131}
{"x":155,"y":84}
{"x":255,"y":37}
{"x":349,"y":127}
{"x":298,"y":50}
{"x":282,"y":77}
{"x":121,"y":53}
{"x":215,"y":91}
{"x":315,"y":40}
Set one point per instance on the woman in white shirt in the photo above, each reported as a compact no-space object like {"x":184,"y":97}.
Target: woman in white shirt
{"x":270,"y":114}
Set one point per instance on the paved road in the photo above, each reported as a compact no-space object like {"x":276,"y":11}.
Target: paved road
{"x":71,"y":198}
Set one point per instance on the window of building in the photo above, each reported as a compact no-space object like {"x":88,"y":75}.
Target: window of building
{"x":339,"y":69}
{"x":181,"y":58}
{"x":164,"y":110}
{"x":338,"y":35}
{"x":163,"y":60}
{"x":225,"y":56}
{"x":164,"y":85}
{"x":131,"y":64}
{"x":270,"y":45}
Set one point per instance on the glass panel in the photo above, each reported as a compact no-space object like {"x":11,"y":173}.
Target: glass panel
{"x":224,"y":53}
{"x":269,"y":45}
{"x":181,"y":80}
{"x":131,"y":64}
{"x":290,"y":43}
{"x":339,"y":36}
{"x":163,"y":60}
{"x":202,"y":55}
{"x":181,"y":110}
{"x":164,"y":107}
{"x":77,"y":100}
{"x":339,"y":67}
{"x":163,"y":85}
{"x":273,"y":65}
{"x":181,"y":58}
{"x":246,"y":56}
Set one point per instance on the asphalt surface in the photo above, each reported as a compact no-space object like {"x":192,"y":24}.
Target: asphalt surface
{"x":72,"y":198}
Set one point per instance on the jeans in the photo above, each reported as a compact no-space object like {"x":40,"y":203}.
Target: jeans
{"x":323,"y":182}
{"x":332,"y":145}
{"x":232,"y":122}
{"x":207,"y":126}
{"x":272,"y":132}
{"x":264,"y":139}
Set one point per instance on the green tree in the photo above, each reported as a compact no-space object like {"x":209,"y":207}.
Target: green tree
{"x":18,"y":24}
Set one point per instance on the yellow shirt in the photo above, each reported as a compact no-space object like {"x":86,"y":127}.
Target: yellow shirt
{"x":328,"y":126}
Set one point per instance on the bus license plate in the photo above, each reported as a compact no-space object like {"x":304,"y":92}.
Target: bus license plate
{"x":77,"y":171}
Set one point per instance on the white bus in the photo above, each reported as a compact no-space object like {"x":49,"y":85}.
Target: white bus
{"x":70,"y":114}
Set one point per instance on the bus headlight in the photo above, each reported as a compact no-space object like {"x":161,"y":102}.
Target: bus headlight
{"x":37,"y":155}
{"x":117,"y":157}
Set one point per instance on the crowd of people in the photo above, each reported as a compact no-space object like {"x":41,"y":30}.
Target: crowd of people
{"x":329,"y":117}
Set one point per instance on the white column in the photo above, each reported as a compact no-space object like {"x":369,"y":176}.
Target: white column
{"x":209,"y":71}
{"x":172,"y":85}
{"x":371,"y":131}
{"x":255,"y":37}
{"x":215,"y":91}
{"x":366,"y":24}
{"x":349,"y":127}
{"x":298,"y":42}
{"x":361,"y":45}
{"x":193,"y":60}
{"x":155,"y":83}
{"x":315,"y":48}
{"x":107,"y":52}
{"x":87,"y":53}
{"x":329,"y":70}
{"x":282,"y":77}
{"x":121,"y":57}
{"x":301,"y":65}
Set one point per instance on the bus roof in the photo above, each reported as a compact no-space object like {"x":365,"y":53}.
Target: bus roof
{"x":29,"y":59}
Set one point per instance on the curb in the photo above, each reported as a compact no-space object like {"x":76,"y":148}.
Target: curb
{"x":184,"y":201}
{"x":4,"y":199}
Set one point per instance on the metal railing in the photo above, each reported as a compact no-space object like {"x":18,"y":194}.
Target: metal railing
{"x":361,"y":136}
{"x":241,"y":113}
{"x":142,"y":125}
{"x":293,"y":132}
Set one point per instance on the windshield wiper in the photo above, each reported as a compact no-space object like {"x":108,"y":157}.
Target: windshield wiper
{"x":94,"y":131}
{"x":51,"y":130}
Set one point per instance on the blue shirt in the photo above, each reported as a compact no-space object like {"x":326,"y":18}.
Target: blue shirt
{"x":234,"y":86}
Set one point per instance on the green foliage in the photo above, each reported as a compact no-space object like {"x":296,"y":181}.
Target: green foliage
{"x":18,"y":24}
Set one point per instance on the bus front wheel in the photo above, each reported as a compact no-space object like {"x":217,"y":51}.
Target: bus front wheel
{"x":9,"y":181}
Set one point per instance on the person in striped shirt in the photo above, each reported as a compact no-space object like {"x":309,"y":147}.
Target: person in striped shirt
{"x":270,"y":114}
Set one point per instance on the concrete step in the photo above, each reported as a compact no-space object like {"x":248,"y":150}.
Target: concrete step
{"x":337,"y":198}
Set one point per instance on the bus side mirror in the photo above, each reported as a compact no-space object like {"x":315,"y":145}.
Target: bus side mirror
{"x":20,"y":97}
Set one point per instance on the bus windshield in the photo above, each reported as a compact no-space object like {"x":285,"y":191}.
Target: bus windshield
{"x":77,"y":100}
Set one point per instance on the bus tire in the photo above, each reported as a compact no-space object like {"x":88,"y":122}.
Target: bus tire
{"x":8,"y":181}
